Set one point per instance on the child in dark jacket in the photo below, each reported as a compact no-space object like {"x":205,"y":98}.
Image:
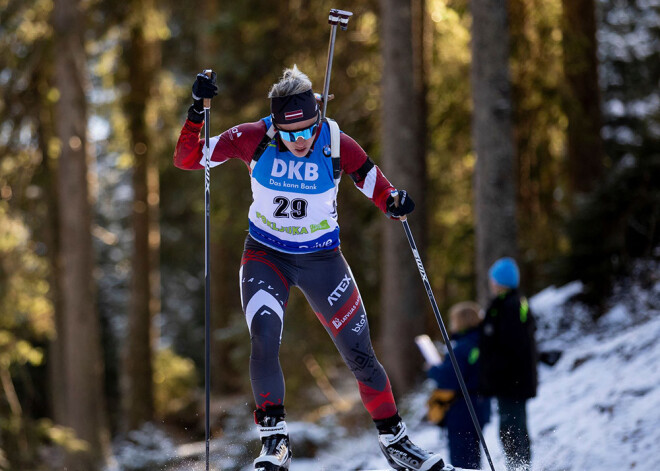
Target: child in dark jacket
{"x":463,"y":438}
{"x":509,"y":357}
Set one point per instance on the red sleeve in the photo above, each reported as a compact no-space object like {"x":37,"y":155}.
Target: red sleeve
{"x":238,"y":142}
{"x":374,"y":185}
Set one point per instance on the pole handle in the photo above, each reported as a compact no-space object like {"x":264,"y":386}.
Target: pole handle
{"x":207,"y":101}
{"x":339,"y":17}
{"x":395,"y":196}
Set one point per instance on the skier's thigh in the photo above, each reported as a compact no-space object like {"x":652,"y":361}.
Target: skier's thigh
{"x":264,"y":291}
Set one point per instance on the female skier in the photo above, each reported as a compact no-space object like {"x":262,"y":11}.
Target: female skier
{"x":295,"y":160}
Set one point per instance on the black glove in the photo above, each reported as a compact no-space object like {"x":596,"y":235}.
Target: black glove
{"x":406,"y":205}
{"x":204,"y":87}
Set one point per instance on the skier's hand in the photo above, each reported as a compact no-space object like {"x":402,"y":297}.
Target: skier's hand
{"x":399,"y":203}
{"x":204,"y":87}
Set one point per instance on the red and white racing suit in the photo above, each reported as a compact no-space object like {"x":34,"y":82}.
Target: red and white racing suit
{"x":294,"y":241}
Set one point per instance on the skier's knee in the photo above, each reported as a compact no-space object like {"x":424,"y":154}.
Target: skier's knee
{"x":264,"y":347}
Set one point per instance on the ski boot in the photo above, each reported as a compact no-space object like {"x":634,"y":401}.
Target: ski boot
{"x":275,"y":450}
{"x":401,"y":453}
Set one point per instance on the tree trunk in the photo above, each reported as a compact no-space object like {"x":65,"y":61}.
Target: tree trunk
{"x":48,"y":178}
{"x":403,"y":163}
{"x":137,"y":373}
{"x":582,"y":100}
{"x":493,"y":138}
{"x":79,"y":340}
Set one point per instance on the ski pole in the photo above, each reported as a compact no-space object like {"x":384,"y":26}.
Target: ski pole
{"x":445,"y":336}
{"x":207,"y":266}
{"x":337,"y":17}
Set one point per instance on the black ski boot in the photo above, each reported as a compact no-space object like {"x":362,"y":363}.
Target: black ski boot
{"x":401,"y":453}
{"x":275,"y":450}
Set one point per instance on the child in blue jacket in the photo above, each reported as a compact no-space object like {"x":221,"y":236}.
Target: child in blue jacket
{"x":463,"y":438}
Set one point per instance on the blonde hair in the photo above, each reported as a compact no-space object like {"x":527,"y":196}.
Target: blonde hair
{"x":464,"y":316}
{"x":293,"y":81}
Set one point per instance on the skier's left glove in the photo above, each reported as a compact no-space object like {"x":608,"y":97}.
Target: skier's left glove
{"x":405,"y":204}
{"x":204,"y":87}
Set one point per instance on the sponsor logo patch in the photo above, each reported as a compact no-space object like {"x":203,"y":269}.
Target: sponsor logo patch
{"x":360,"y":325}
{"x":295,"y":170}
{"x":339,"y":290}
{"x":234,"y":132}
{"x":346,"y":313}
{"x":403,"y":457}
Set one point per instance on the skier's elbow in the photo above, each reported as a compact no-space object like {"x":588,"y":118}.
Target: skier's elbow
{"x":186,"y":159}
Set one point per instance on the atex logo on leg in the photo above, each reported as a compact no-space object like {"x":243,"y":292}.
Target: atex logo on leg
{"x":339,"y":290}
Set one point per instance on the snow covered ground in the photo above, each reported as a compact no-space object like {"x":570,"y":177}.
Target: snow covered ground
{"x":600,"y":405}
{"x":597,"y":408}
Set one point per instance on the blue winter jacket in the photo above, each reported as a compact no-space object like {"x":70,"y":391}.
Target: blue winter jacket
{"x":466,"y":349}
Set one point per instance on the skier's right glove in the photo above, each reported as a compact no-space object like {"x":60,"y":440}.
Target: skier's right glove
{"x":204,"y":87}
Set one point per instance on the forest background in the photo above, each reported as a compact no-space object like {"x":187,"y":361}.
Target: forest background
{"x":528,"y":128}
